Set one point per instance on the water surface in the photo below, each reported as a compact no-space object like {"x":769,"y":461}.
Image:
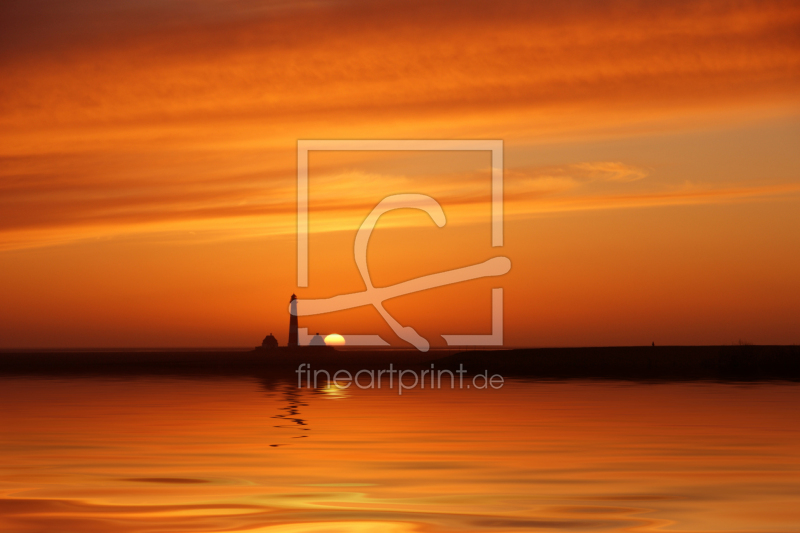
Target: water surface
{"x":161,"y":455}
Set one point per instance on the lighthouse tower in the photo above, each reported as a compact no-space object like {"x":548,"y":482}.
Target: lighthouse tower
{"x":293,"y":322}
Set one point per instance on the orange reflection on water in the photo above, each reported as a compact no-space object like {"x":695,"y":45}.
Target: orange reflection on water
{"x":241,"y":454}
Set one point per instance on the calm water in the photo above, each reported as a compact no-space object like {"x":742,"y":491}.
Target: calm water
{"x":193,"y":455}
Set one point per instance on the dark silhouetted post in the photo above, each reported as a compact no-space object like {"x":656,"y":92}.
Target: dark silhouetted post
{"x":293,"y":322}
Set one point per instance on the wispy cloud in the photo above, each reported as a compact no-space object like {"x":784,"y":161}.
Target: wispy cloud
{"x":339,"y":199}
{"x":608,"y":171}
{"x":126,"y":117}
{"x":533,"y":204}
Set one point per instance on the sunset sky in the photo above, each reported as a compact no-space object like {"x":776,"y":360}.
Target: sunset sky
{"x":148,"y":168}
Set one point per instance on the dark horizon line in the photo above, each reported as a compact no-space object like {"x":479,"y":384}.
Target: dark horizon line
{"x":112,"y":349}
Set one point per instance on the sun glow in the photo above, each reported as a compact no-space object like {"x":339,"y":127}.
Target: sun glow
{"x":334,"y":339}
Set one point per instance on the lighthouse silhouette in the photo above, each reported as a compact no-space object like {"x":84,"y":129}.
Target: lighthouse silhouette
{"x":293,"y":322}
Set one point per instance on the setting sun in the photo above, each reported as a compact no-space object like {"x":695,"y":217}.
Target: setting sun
{"x":334,"y":339}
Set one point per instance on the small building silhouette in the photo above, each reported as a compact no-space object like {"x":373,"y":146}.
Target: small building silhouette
{"x":317,"y":340}
{"x":269,"y":342}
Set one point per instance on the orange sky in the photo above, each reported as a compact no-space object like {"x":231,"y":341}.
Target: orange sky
{"x":147,"y":167}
